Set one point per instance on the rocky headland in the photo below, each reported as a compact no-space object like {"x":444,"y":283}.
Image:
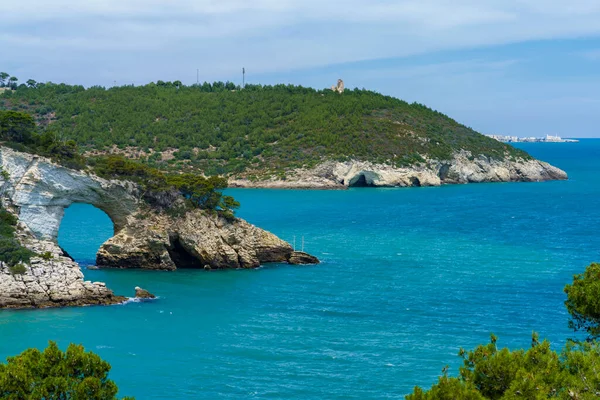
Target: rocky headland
{"x":37,"y":191}
{"x":462,"y":168}
{"x":196,"y":240}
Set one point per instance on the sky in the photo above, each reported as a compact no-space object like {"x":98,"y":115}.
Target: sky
{"x":513,"y":67}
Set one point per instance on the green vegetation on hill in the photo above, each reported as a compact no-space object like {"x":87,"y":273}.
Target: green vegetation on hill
{"x":161,"y":190}
{"x":220,"y":128}
{"x":54,"y":374}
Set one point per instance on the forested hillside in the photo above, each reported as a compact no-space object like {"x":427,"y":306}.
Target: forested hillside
{"x":220,"y":128}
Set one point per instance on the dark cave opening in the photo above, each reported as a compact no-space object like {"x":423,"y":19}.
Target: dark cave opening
{"x":415,"y":182}
{"x":361,"y":181}
{"x":182,"y":258}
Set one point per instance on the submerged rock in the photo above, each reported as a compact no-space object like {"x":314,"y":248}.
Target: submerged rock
{"x":143,"y":294}
{"x":302,"y":258}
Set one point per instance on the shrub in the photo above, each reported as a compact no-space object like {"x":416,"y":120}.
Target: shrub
{"x":18,"y":269}
{"x":54,"y":374}
{"x":537,"y":373}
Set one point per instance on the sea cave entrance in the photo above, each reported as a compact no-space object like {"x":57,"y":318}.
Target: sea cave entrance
{"x":182,"y":258}
{"x":82,"y":231}
{"x":363,"y":179}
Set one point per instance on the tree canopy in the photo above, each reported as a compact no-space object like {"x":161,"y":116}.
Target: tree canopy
{"x":54,"y":374}
{"x":220,"y":128}
{"x":536,"y":373}
{"x":539,"y":372}
{"x":583,"y":301}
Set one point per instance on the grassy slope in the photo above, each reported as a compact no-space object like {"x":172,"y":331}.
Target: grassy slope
{"x":270,"y":129}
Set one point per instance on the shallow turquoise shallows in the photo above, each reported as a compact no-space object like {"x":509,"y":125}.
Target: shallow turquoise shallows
{"x":408,"y":277}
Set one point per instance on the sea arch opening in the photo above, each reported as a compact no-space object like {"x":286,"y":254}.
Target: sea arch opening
{"x":82,"y":230}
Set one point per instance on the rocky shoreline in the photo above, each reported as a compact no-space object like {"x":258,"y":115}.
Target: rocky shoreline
{"x":462,"y":168}
{"x":162,"y":242}
{"x":37,"y":191}
{"x":50,"y":281}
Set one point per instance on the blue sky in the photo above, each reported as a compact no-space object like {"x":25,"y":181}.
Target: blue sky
{"x":519,"y":67}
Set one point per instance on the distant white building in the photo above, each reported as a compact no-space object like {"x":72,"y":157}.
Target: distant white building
{"x":547,"y":139}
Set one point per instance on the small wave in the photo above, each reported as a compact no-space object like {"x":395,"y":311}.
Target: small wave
{"x":104,"y":347}
{"x":136,"y":300}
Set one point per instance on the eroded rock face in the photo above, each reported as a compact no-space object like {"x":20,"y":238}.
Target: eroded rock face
{"x":37,"y":191}
{"x":302,"y":258}
{"x":41,"y":190}
{"x":196,"y":240}
{"x":53,"y":281}
{"x":463,"y":168}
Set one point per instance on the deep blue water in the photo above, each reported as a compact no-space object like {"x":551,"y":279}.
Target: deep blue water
{"x":408,"y":277}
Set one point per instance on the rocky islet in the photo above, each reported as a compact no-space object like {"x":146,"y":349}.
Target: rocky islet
{"x":37,"y":191}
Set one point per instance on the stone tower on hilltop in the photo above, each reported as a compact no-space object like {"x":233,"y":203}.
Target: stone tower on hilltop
{"x":339,"y":88}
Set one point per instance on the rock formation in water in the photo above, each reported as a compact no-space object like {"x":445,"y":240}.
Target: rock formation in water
{"x":196,"y":240}
{"x":143,"y":293}
{"x":50,"y":281}
{"x":37,"y":191}
{"x":462,"y":168}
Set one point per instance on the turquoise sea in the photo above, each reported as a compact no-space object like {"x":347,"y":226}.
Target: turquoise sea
{"x":408,"y":277}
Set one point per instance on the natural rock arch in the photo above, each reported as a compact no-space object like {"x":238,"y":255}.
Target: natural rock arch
{"x":37,"y":191}
{"x":41,"y":191}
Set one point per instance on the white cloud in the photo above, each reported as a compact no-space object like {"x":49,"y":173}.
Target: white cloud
{"x":219,"y":36}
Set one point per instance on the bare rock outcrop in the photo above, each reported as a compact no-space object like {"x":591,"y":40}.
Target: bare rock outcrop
{"x":143,"y":294}
{"x":196,"y":240}
{"x":462,"y":168}
{"x":302,"y":258}
{"x":41,"y":190}
{"x":37,"y":191}
{"x":50,"y":281}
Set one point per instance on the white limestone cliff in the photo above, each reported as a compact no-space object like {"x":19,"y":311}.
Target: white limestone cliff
{"x":37,"y":191}
{"x":462,"y":168}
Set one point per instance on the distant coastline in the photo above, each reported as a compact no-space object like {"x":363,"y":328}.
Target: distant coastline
{"x":546,"y":139}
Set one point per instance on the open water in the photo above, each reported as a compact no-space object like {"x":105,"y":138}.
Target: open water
{"x":408,"y":277}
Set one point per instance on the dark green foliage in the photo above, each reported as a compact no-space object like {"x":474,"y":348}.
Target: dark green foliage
{"x":219,"y":128}
{"x":583,"y":301}
{"x":538,"y":373}
{"x":54,"y":374}
{"x":18,"y":130}
{"x":16,"y":126}
{"x":11,"y":251}
{"x":163,"y":190}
